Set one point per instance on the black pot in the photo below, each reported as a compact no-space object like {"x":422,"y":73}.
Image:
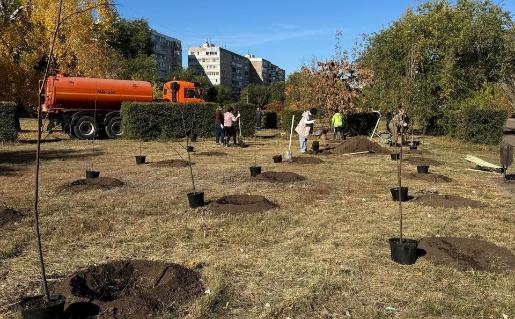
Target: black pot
{"x":141,"y":159}
{"x":395,"y":156}
{"x":278,"y":159}
{"x":255,"y":171}
{"x":413,"y":147}
{"x":423,"y":169}
{"x":405,"y":252}
{"x":92,"y":174}
{"x":316,"y":146}
{"x":194,"y":137}
{"x":395,"y":194}
{"x":190,"y":149}
{"x":82,"y":310}
{"x":196,"y":199}
{"x":38,"y":308}
{"x":344,"y":137}
{"x":415,"y":143}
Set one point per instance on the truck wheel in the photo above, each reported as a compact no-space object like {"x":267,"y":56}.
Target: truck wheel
{"x":114,"y":127}
{"x":86,"y":128}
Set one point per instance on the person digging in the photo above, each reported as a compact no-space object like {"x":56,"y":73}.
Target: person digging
{"x":229,"y":127}
{"x":337,"y":123}
{"x":304,"y":128}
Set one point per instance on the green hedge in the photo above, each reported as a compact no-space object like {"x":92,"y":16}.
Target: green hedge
{"x":158,"y":120}
{"x":286,"y":116}
{"x":8,"y":132}
{"x":270,"y":120}
{"x":360,"y":123}
{"x":476,"y":125}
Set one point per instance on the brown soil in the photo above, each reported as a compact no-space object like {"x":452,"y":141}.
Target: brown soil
{"x":306,"y":160}
{"x":9,"y":216}
{"x":421,"y":161}
{"x":432,"y":178}
{"x":359,"y":144}
{"x":212,"y":154}
{"x":280,"y":177}
{"x":102,"y":183}
{"x":447,"y":201}
{"x":233,"y":204}
{"x":171,"y":163}
{"x":132,"y":289}
{"x":467,"y":253}
{"x":507,"y":187}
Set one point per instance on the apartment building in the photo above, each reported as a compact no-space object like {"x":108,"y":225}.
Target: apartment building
{"x":230,"y":69}
{"x":168,"y":53}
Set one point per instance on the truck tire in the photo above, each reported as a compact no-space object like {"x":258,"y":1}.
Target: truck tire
{"x":85,"y":128}
{"x":113,"y":128}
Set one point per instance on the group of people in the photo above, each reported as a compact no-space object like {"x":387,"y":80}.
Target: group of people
{"x":225,"y":124}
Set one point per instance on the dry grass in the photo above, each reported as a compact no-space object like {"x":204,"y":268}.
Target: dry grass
{"x":322,"y":254}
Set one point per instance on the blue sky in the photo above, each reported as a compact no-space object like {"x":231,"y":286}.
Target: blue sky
{"x":286,"y":32}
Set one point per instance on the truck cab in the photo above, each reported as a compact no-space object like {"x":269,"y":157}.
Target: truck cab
{"x":182,"y":92}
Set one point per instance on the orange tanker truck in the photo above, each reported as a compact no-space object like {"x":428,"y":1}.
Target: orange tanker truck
{"x":87,"y":106}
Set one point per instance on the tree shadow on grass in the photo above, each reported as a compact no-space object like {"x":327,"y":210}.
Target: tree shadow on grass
{"x":26,"y":157}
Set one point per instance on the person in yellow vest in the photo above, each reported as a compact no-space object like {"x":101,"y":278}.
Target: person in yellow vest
{"x":337,"y":123}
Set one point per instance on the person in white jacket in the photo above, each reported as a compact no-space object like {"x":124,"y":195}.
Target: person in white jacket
{"x":304,"y":128}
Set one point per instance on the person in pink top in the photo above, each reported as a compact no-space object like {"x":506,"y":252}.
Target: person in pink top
{"x":229,"y":127}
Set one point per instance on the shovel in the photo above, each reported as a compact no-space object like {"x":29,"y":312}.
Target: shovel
{"x":288,"y":156}
{"x":241,"y":143}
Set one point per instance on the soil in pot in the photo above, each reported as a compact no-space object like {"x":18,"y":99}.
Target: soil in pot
{"x":9,"y":216}
{"x":92,"y":174}
{"x":315,"y":146}
{"x":423,"y":169}
{"x":447,"y":201}
{"x":421,"y":161}
{"x":38,"y":308}
{"x":196,"y":199}
{"x":405,"y":252}
{"x":403,"y":194}
{"x":133,"y":289}
{"x":255,"y":171}
{"x":280,"y":177}
{"x":306,"y":160}
{"x":171,"y":163}
{"x":467,"y":253}
{"x":190,"y":149}
{"x":430,"y":177}
{"x":234,"y":204}
{"x":101,"y":183}
{"x":359,"y":144}
{"x":395,"y":156}
{"x":211,"y":153}
{"x":277,"y":158}
{"x":140,"y":159}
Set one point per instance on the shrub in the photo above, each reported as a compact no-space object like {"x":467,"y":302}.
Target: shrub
{"x":360,"y":123}
{"x":8,"y":132}
{"x":270,"y":120}
{"x":476,"y":125}
{"x":286,"y":117}
{"x":164,"y":120}
{"x":248,"y":117}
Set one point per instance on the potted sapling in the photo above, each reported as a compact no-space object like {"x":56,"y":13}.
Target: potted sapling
{"x":403,"y":250}
{"x":141,"y":159}
{"x":423,"y":168}
{"x":255,"y":170}
{"x":195,"y":198}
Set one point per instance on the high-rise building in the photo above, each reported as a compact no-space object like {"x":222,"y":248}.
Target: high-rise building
{"x":223,"y":67}
{"x":168,"y":53}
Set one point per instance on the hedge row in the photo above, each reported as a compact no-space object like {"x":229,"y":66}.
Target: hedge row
{"x":156,"y":120}
{"x":360,"y":123}
{"x":8,"y":132}
{"x":286,"y":117}
{"x":476,"y":125}
{"x":270,"y":120}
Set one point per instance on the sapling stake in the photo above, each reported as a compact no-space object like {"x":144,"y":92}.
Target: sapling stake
{"x":189,"y":156}
{"x":399,"y":178}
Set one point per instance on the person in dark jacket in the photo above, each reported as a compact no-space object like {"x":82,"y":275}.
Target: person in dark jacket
{"x":219,"y":125}
{"x":259,"y":118}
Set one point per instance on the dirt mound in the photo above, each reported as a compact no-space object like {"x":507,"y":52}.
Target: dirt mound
{"x":432,"y":178}
{"x":421,"y":161}
{"x":507,"y":187}
{"x":467,"y":253}
{"x":9,"y":216}
{"x":132,"y":289}
{"x":280,"y":177}
{"x":306,"y":160}
{"x":233,"y":204}
{"x":171,"y":163}
{"x":359,"y":144}
{"x":447,"y":201}
{"x":102,"y":183}
{"x":212,"y":154}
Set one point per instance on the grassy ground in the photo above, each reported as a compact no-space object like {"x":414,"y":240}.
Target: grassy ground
{"x":322,"y":254}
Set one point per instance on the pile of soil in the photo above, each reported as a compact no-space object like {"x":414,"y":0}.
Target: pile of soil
{"x":102,"y":183}
{"x":506,"y":186}
{"x":132,"y":289}
{"x":233,"y":204}
{"x":9,"y":216}
{"x":359,"y":144}
{"x":447,"y":201}
{"x":171,"y":163}
{"x":212,"y":154}
{"x":279,"y":177}
{"x":421,"y":161}
{"x":306,"y":160}
{"x":432,"y":178}
{"x":467,"y":253}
